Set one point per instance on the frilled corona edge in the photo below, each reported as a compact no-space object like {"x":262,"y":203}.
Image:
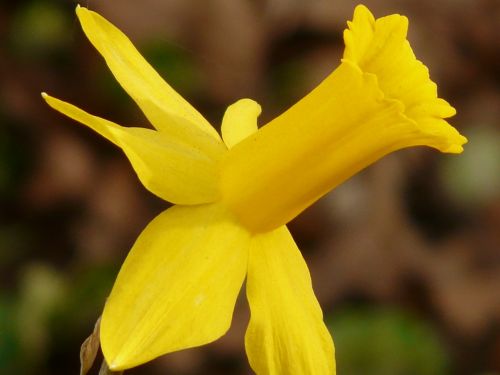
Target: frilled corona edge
{"x":380,"y":99}
{"x":379,"y":48}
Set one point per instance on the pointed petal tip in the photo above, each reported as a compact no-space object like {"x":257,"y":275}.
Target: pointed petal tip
{"x":117,"y":363}
{"x":113,"y":366}
{"x":50,"y":100}
{"x":121,"y":362}
{"x":79,"y":10}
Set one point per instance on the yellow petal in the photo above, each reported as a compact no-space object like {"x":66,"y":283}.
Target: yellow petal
{"x":169,"y":167}
{"x":286,"y":334}
{"x":353,"y":118}
{"x":240,"y":120}
{"x":157,"y":99}
{"x":177,"y":287}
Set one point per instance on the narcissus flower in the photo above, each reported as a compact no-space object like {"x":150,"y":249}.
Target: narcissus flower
{"x":234,"y":196}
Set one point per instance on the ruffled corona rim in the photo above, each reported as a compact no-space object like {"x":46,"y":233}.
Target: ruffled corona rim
{"x":379,"y":47}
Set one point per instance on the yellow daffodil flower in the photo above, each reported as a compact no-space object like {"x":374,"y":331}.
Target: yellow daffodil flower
{"x":233,"y":196}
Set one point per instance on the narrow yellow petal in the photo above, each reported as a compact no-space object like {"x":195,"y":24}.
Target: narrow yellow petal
{"x":240,"y":120}
{"x":178,"y":286}
{"x":286,"y":334}
{"x":353,"y":118}
{"x":172,"y":169}
{"x":155,"y":97}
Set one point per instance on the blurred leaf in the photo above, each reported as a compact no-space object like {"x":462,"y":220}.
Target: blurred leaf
{"x":473,"y":178}
{"x":15,"y":241}
{"x":172,"y":63}
{"x":175,"y":65}
{"x":42,"y":289}
{"x":13,"y":158}
{"x":289,"y":83}
{"x":39,"y":29}
{"x":10,"y":351}
{"x":84,"y":301}
{"x":385,"y":342}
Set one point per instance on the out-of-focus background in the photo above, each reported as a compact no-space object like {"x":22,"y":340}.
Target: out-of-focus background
{"x":405,"y":257}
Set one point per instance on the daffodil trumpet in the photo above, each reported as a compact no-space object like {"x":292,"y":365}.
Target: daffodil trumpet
{"x":234,"y":195}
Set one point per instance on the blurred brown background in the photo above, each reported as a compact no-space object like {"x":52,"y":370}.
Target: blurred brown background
{"x":405,"y":257}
